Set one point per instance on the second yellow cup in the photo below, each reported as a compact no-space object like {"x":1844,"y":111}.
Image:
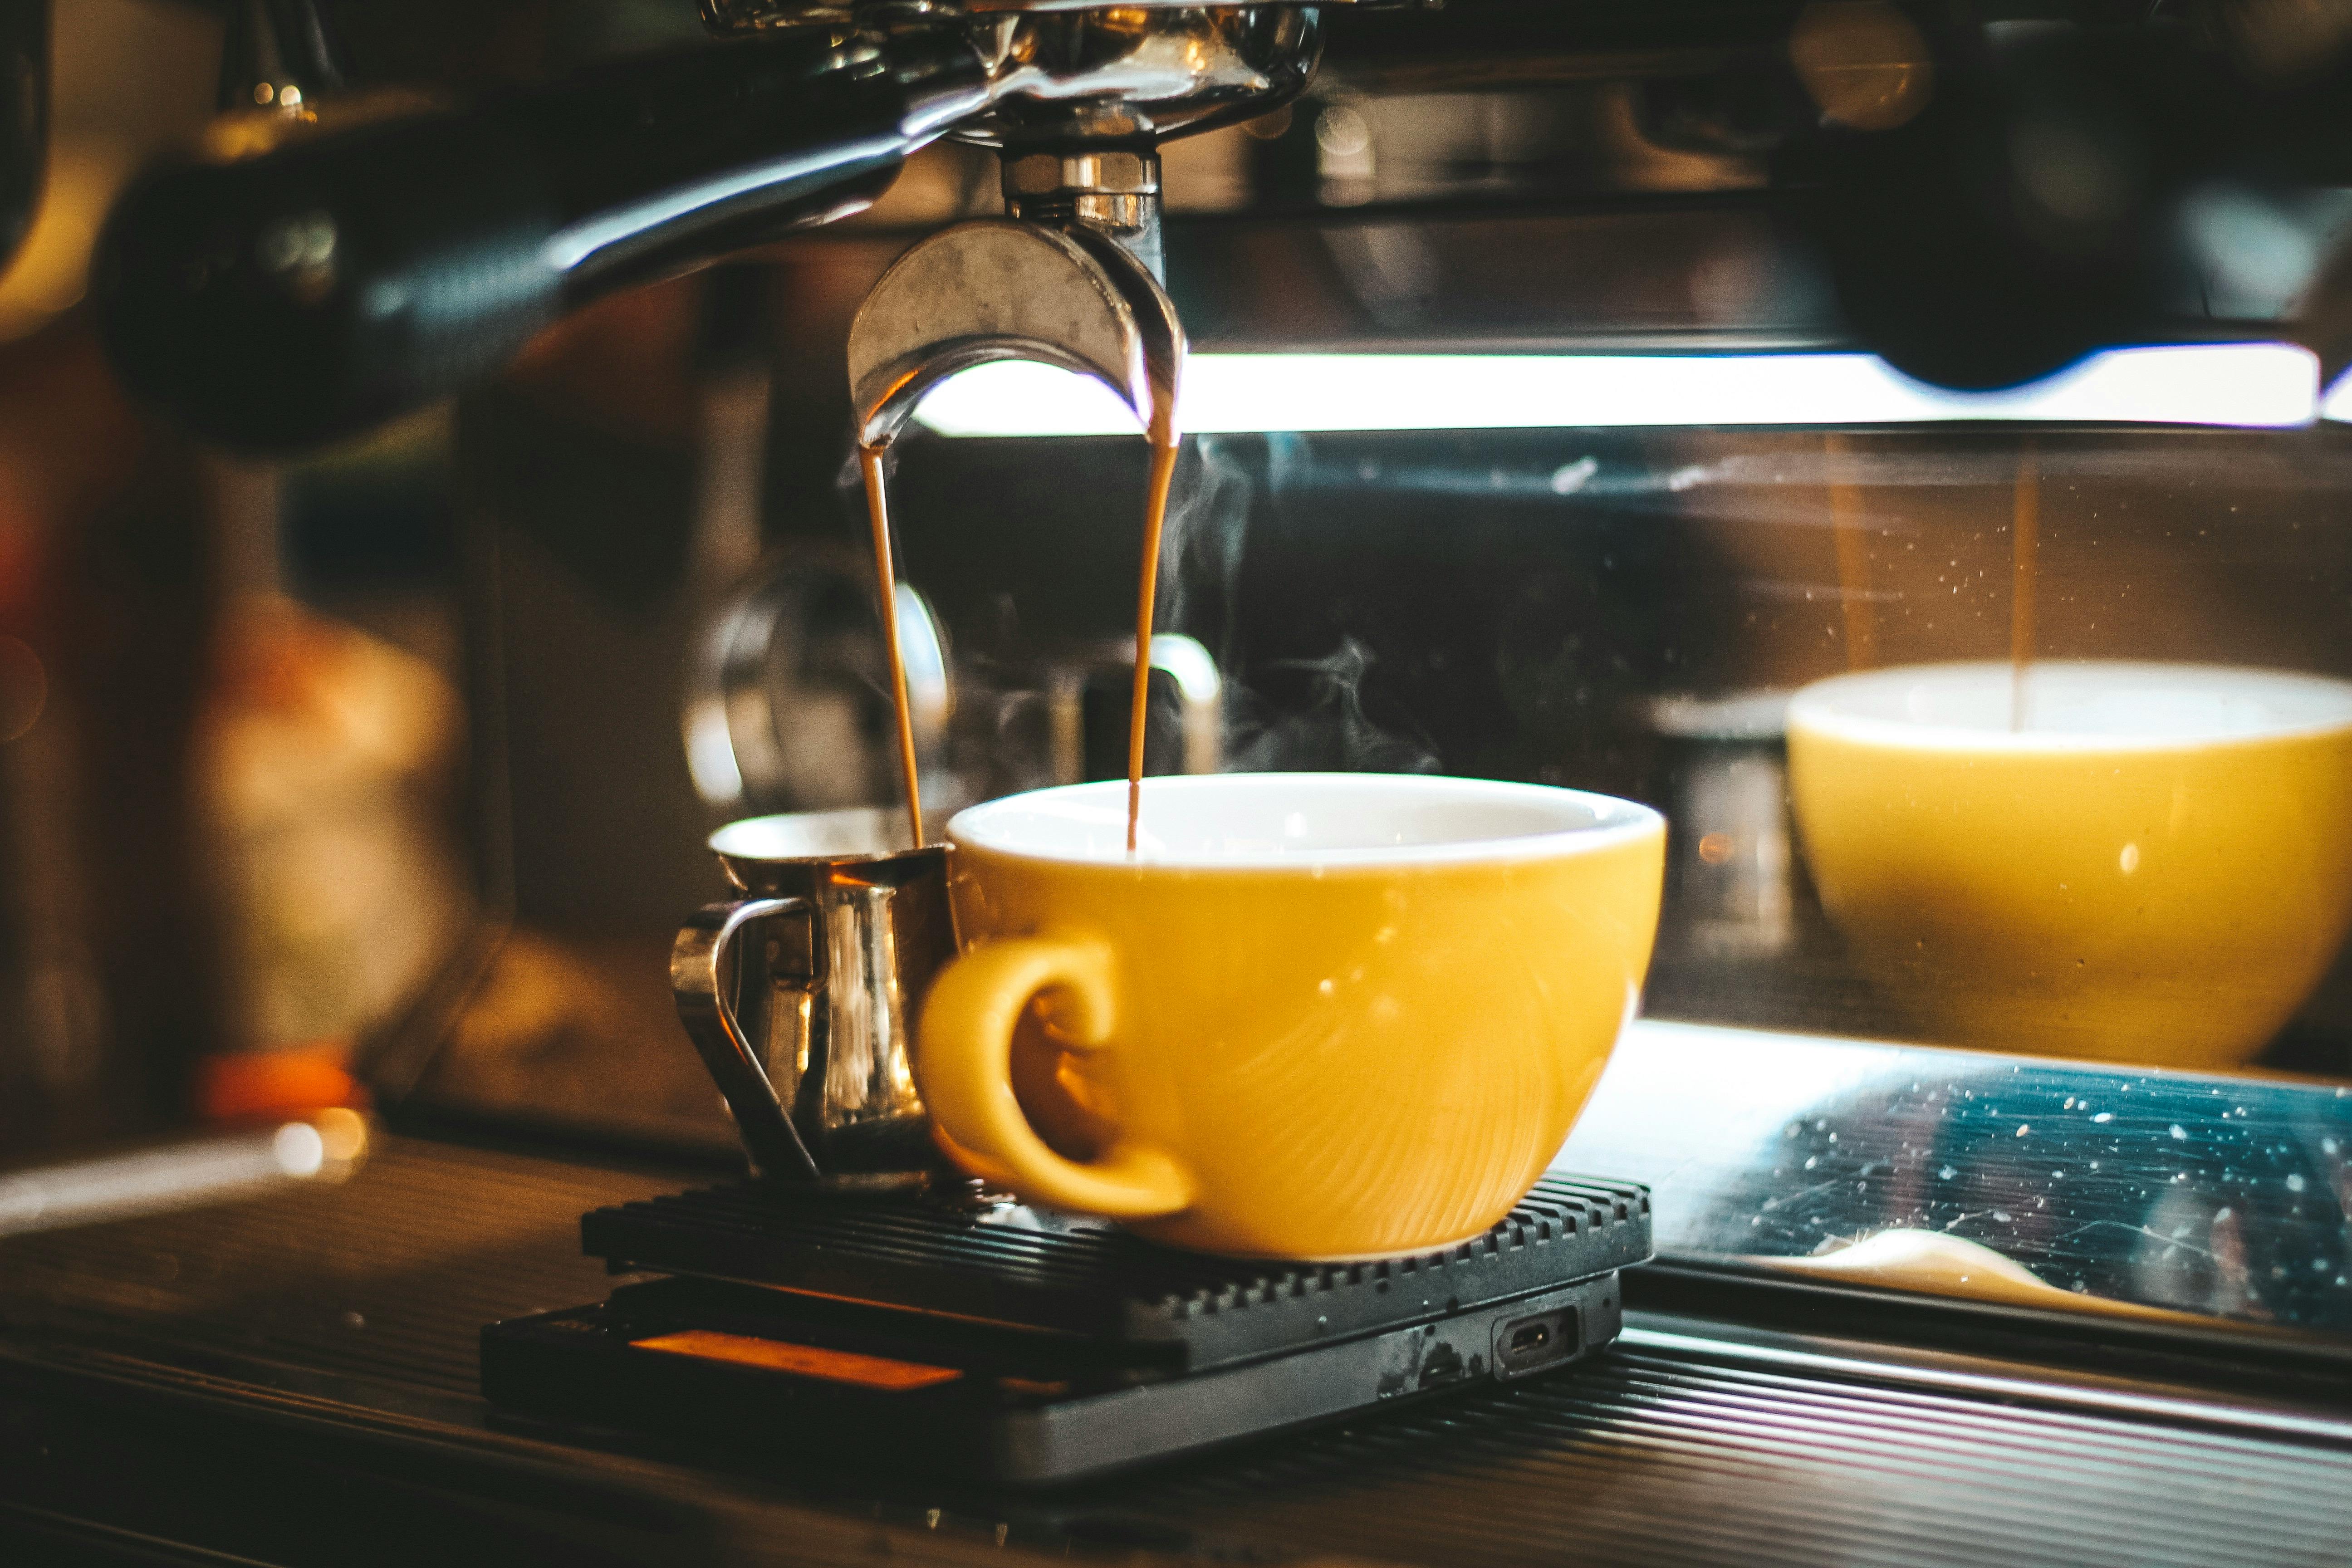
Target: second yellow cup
{"x":2147,"y":862}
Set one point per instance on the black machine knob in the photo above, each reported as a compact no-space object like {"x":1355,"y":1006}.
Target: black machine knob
{"x":305,"y":293}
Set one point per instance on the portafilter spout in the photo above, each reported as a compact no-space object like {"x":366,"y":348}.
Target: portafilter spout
{"x":1067,"y":287}
{"x":999,"y":288}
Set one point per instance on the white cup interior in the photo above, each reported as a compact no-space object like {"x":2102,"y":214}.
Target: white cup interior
{"x":814,"y":835}
{"x":1255,"y":820}
{"x":2068,"y":705}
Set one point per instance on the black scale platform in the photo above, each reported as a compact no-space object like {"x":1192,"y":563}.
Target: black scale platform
{"x":958,"y":1334}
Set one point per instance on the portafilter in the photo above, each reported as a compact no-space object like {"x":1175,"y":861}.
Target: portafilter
{"x":326,"y":269}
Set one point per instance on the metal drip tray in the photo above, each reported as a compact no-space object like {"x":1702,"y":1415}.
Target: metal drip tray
{"x":288,"y":1382}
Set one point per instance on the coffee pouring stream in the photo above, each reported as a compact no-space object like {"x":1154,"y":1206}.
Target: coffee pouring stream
{"x":1073,"y":275}
{"x":1071,"y":293}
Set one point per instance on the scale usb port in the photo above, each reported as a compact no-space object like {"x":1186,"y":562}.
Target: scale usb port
{"x":1528,"y":1345}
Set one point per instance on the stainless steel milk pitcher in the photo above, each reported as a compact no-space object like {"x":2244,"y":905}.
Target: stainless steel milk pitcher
{"x":801,"y":997}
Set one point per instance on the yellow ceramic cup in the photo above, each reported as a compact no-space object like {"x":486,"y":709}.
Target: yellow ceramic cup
{"x":1319,"y":1015}
{"x":2155,"y":866}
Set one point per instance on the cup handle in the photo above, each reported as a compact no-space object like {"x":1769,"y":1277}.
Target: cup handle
{"x":964,"y":1068}
{"x":695,"y":962}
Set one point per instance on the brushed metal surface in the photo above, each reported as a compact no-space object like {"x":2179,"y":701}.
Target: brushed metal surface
{"x":1693,"y":1444}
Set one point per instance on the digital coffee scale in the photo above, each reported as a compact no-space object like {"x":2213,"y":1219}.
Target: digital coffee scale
{"x":947,"y":1332}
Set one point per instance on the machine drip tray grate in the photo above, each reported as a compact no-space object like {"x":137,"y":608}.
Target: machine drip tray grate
{"x":1017,"y":1267}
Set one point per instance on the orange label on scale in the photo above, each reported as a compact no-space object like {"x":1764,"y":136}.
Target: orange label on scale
{"x":802,"y":1360}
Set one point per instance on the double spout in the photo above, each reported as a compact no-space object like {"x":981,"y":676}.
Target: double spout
{"x":997,"y":289}
{"x":1066,"y":291}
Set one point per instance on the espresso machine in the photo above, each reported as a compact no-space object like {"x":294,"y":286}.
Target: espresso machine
{"x":1565,"y":385}
{"x":857,"y":1287}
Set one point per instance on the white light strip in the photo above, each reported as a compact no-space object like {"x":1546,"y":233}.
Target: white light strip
{"x":2252,"y":384}
{"x":2338,"y":403}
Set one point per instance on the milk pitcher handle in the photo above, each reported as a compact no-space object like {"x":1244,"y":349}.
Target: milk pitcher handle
{"x":696,"y":962}
{"x":964,"y":1067}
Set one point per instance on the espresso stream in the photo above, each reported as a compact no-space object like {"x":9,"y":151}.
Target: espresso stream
{"x":1165,"y":443}
{"x":1847,"y":518}
{"x":1155,"y":517}
{"x":2024,"y":577}
{"x":886,"y":579}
